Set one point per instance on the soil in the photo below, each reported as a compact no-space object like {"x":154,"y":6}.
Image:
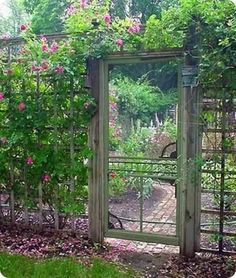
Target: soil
{"x":172,"y":265}
{"x":128,"y":204}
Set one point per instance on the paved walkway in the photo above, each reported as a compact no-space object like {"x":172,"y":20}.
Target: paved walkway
{"x":164,"y":212}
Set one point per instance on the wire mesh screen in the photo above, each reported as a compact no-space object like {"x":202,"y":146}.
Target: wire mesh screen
{"x":43,"y":137}
{"x":218,"y":225}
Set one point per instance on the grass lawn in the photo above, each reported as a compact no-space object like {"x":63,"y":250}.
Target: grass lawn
{"x":17,"y":266}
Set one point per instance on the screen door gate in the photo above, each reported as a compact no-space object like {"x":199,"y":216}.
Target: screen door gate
{"x":138,"y":179}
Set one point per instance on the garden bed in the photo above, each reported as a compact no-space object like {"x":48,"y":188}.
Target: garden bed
{"x":128,"y":204}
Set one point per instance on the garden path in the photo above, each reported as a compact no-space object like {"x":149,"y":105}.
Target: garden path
{"x":163,"y":211}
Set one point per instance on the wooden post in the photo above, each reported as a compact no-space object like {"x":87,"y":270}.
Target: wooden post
{"x":190,"y":181}
{"x":190,"y":146}
{"x":96,"y":163}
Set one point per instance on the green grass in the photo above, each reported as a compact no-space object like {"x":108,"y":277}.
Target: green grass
{"x":17,"y":266}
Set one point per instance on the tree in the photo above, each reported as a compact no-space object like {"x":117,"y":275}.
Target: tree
{"x":18,"y":16}
{"x":47,"y":16}
{"x":30,"y":5}
{"x":141,"y":9}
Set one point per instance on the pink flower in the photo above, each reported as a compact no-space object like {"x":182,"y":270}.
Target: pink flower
{"x":1,"y":96}
{"x":46,"y":177}
{"x":71,"y":10}
{"x":44,"y":47}
{"x":119,"y":42}
{"x":23,"y":27}
{"x":54,"y":47}
{"x":113,"y":175}
{"x":59,"y":69}
{"x":8,"y":71}
{"x":43,"y":39}
{"x":21,"y":106}
{"x":83,"y":3}
{"x":29,"y":161}
{"x":36,"y":68}
{"x":44,"y":65}
{"x":134,"y":29}
{"x":5,"y":36}
{"x":107,"y":19}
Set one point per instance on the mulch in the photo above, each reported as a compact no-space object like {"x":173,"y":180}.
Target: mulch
{"x":48,"y":244}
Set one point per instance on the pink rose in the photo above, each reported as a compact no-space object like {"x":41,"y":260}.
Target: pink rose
{"x":83,"y":3}
{"x":107,"y":19}
{"x":36,"y":68}
{"x":59,"y":69}
{"x":44,"y":65}
{"x":54,"y":47}
{"x":29,"y":161}
{"x":46,"y":177}
{"x":23,"y":27}
{"x":21,"y":106}
{"x":119,"y":42}
{"x":71,"y":10}
{"x":8,"y":71}
{"x":134,"y":29}
{"x":44,"y":47}
{"x":2,"y":96}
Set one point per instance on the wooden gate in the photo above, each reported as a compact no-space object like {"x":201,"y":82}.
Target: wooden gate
{"x":186,"y":175}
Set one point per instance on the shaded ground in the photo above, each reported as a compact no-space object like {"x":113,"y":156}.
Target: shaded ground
{"x":174,"y":266}
{"x":148,"y":264}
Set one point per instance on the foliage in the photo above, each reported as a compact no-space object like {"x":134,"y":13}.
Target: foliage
{"x":136,"y":143}
{"x":212,"y":181}
{"x":141,"y":9}
{"x":170,"y":128}
{"x":138,"y":100}
{"x":214,"y":23}
{"x":47,"y":16}
{"x":45,"y":110}
{"x":117,"y":183}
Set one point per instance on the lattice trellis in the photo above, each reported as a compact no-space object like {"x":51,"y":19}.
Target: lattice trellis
{"x":219,"y":170}
{"x":50,"y":129}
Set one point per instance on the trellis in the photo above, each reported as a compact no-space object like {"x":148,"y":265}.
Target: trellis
{"x":35,"y":208}
{"x":219,"y":175}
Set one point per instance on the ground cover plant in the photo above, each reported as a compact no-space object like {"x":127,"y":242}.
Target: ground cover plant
{"x":18,"y":266}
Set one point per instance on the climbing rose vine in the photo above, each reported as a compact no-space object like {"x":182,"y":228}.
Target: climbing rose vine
{"x":46,"y":110}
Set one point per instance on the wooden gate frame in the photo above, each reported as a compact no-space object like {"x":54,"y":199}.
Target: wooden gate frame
{"x":189,"y":148}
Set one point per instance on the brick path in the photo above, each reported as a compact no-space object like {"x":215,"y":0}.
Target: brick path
{"x":163,"y":211}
